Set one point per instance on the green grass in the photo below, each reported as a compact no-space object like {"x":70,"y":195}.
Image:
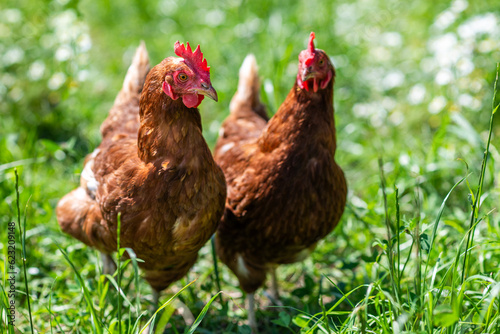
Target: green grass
{"x":418,"y":247}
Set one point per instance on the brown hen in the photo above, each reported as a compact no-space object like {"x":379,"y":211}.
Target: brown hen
{"x":285,"y":190}
{"x":154,"y":168}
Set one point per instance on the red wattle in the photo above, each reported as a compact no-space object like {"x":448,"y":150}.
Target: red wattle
{"x":200,"y":98}
{"x":192,"y":100}
{"x":325,"y":82}
{"x":300,"y":82}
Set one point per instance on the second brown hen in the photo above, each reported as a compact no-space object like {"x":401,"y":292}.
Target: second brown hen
{"x":285,"y":190}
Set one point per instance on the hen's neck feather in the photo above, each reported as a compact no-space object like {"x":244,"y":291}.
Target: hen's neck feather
{"x":304,"y":117}
{"x":166,"y":126}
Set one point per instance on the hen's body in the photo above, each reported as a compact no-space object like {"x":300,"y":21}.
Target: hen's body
{"x":285,"y":190}
{"x":155,"y":169}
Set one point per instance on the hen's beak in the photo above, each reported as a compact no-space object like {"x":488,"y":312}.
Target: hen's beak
{"x":307,"y":74}
{"x":207,"y":90}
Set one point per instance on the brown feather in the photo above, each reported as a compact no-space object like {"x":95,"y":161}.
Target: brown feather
{"x":162,"y":179}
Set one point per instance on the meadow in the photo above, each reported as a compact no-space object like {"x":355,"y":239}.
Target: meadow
{"x":418,"y":247}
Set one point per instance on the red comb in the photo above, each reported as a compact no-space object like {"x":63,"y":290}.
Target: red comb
{"x":193,"y":59}
{"x":310,"y":50}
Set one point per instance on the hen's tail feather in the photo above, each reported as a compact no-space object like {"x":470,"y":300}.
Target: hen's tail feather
{"x":136,"y":73}
{"x":124,"y":115}
{"x":248,"y":94}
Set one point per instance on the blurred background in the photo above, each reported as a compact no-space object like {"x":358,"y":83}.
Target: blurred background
{"x":414,"y":86}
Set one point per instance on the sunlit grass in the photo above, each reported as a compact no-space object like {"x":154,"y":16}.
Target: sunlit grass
{"x":418,"y":249}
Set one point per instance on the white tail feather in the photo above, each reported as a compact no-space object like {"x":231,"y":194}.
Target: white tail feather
{"x":136,"y":73}
{"x":248,"y":85}
{"x":123,"y":114}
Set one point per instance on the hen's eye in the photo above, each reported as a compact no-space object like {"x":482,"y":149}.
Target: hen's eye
{"x":321,"y":62}
{"x":182,"y":77}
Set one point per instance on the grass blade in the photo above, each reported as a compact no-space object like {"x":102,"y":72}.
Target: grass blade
{"x":216,"y":268}
{"x":202,"y":314}
{"x":23,"y":162}
{"x":164,"y":319}
{"x":135,"y":265}
{"x":436,"y":224}
{"x":336,"y":286}
{"x":475,"y":207}
{"x":398,"y":227}
{"x":168,"y":302}
{"x":390,"y":255}
{"x":119,"y":289}
{"x":119,"y":271}
{"x":96,"y":323}
{"x":325,"y":316}
{"x":4,"y":302}
{"x":22,"y":235}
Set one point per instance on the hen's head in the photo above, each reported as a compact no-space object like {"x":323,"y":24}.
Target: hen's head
{"x":188,"y":77}
{"x":315,"y":68}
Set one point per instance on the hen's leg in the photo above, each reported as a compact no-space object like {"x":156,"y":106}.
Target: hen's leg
{"x":273,"y":295}
{"x":108,"y":264}
{"x":156,"y":298}
{"x":182,"y":309}
{"x":148,"y":330}
{"x":274,"y":286}
{"x":252,"y":322}
{"x":185,"y":312}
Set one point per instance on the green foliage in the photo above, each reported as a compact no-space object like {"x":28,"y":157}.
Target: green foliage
{"x":418,"y":252}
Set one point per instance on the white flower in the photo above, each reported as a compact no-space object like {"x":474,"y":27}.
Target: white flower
{"x":84,"y":43}
{"x":63,"y":53}
{"x":445,"y":49}
{"x":13,"y":55}
{"x":83,"y":75}
{"x":437,"y":104}
{"x":12,"y":15}
{"x":465,"y":100}
{"x":465,"y":66}
{"x":443,"y":77}
{"x":214,"y":18}
{"x":404,"y":159}
{"x":57,"y":80}
{"x":416,"y":94}
{"x":393,"y":39}
{"x":481,"y":24}
{"x":36,"y":70}
{"x":459,"y":6}
{"x":445,"y":19}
